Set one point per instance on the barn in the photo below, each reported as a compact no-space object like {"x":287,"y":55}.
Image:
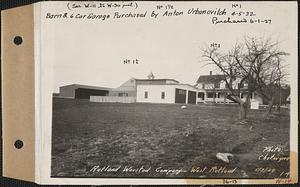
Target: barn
{"x":79,"y":91}
{"x":165,"y":91}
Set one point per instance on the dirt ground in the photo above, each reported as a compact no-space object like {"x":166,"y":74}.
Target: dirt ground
{"x":163,"y":140}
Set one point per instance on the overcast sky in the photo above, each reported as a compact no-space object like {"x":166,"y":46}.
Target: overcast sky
{"x":92,"y":52}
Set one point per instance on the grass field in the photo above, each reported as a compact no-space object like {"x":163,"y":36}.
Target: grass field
{"x":164,"y":138}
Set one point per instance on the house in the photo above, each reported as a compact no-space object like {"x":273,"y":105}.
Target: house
{"x":214,"y":89}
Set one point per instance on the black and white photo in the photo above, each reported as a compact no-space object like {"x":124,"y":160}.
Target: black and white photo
{"x":170,"y":90}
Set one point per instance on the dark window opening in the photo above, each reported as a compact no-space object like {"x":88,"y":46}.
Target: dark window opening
{"x":201,"y":95}
{"x":163,"y":95}
{"x":182,"y":92}
{"x":123,"y":94}
{"x":146,"y":95}
{"x":217,"y":85}
{"x":84,"y":93}
{"x":241,"y":85}
{"x":211,"y":95}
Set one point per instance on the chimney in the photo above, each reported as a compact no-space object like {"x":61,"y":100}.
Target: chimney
{"x":210,"y":72}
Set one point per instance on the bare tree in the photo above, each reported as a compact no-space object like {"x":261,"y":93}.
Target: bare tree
{"x":250,"y":62}
{"x":271,"y":73}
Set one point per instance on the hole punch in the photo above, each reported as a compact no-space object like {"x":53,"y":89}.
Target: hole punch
{"x":19,"y":144}
{"x":18,"y":40}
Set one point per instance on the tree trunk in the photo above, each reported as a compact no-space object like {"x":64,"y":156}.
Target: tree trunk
{"x":243,"y":110}
{"x":278,"y":108}
{"x":279,"y":103}
{"x":271,"y":104}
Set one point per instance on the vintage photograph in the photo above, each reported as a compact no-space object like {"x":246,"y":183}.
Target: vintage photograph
{"x":171,"y":90}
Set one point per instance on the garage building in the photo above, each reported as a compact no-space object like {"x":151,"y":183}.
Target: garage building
{"x":78,"y":91}
{"x":165,"y":91}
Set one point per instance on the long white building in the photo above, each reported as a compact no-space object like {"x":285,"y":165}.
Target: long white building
{"x":165,"y":91}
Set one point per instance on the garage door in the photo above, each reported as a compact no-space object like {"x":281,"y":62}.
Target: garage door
{"x":83,"y":93}
{"x":180,"y":95}
{"x":191,"y":97}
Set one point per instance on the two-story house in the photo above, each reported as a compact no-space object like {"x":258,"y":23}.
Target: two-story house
{"x":214,"y":89}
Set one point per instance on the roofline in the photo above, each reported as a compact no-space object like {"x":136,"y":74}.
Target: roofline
{"x":223,"y":77}
{"x":180,"y":84}
{"x":188,"y":85}
{"x":157,"y":80}
{"x":85,"y":86}
{"x":225,"y":89}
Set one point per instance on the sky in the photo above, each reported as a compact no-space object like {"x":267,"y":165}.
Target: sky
{"x":92,"y":52}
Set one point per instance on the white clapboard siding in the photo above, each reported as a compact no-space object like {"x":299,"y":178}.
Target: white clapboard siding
{"x":112,"y":99}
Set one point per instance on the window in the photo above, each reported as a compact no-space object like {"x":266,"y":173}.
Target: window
{"x":217,"y":85}
{"x":163,"y":95}
{"x":181,"y":92}
{"x":146,"y":95}
{"x":203,"y":86}
{"x":122,"y":94}
{"x":201,"y":95}
{"x":210,"y":95}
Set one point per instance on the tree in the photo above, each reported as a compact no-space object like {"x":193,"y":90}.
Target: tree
{"x":252,"y":62}
{"x":270,"y":73}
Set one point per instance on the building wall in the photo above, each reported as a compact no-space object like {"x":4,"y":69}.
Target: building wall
{"x":257,"y":98}
{"x":67,"y":91}
{"x":154,"y":93}
{"x":116,"y":93}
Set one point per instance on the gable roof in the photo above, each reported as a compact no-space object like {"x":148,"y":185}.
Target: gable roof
{"x":210,"y":78}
